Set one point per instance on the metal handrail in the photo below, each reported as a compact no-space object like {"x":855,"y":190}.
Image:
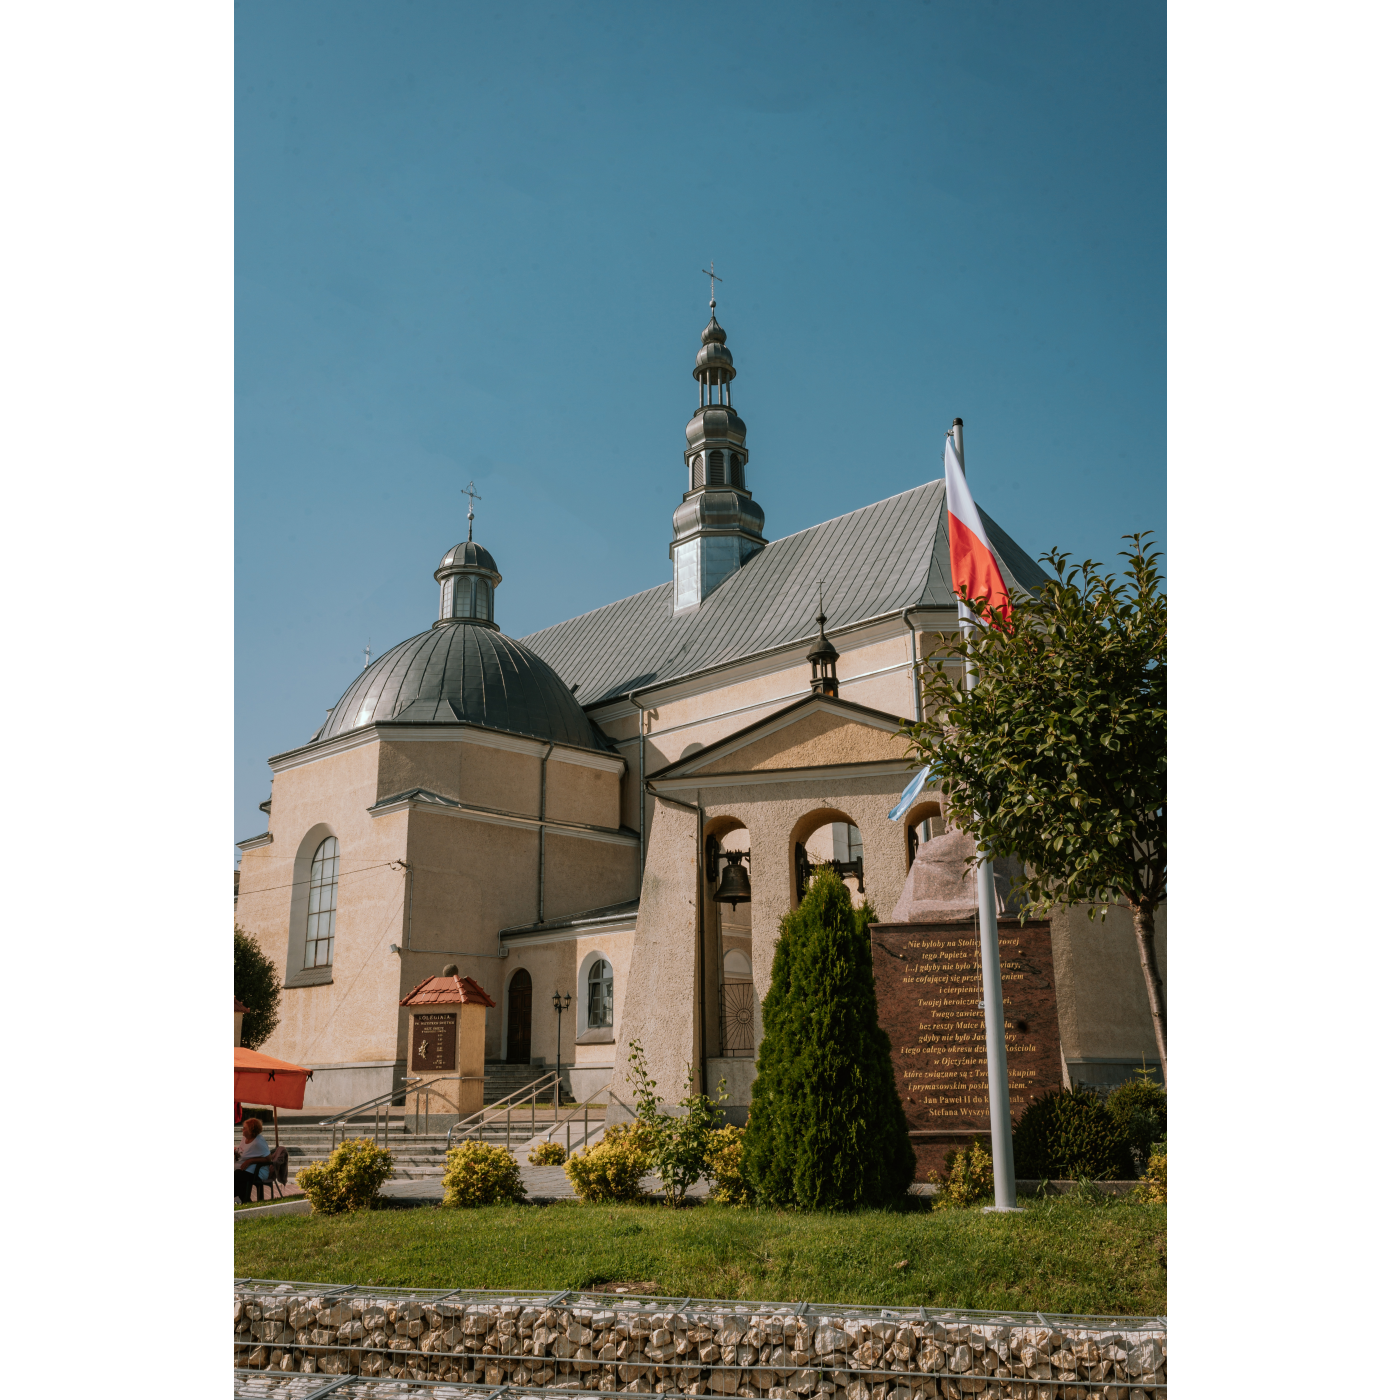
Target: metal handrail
{"x":338,"y":1121}
{"x":588,"y":1133}
{"x":551,"y":1081}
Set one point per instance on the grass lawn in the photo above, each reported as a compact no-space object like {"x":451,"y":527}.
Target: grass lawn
{"x":1062,"y":1255}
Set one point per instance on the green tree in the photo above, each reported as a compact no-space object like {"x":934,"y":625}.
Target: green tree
{"x":826,"y":1128}
{"x":1058,"y":756}
{"x":258,"y":985}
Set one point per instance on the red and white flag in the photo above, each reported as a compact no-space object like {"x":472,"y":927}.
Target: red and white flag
{"x":975,"y":571}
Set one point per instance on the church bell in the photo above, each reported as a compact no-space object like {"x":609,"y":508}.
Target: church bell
{"x":734,"y":887}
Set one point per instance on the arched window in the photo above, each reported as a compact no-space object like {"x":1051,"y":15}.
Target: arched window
{"x":600,"y":994}
{"x":697,"y":470}
{"x":737,"y":967}
{"x":462,"y":595}
{"x":736,"y":470}
{"x":471,"y":597}
{"x":715,"y":470}
{"x":320,"y":915}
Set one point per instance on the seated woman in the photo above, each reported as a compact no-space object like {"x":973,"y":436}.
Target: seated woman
{"x":250,"y":1160}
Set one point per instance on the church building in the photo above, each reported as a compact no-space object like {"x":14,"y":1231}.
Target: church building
{"x":617,"y":811}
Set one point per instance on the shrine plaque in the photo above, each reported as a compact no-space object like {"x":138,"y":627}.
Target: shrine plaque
{"x":928,"y":981}
{"x":434,"y":1041}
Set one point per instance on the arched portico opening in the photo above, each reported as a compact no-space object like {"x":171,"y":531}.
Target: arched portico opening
{"x":922,"y":822}
{"x":827,"y":836}
{"x":727,"y":942}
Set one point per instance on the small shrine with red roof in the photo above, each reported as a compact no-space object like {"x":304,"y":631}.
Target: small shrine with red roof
{"x":447,"y":1043}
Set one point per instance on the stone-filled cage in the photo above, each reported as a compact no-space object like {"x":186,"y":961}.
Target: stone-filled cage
{"x":366,"y":1342}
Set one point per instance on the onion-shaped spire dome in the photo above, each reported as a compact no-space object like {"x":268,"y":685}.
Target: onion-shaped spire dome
{"x":823,"y":657}
{"x":718,"y":524}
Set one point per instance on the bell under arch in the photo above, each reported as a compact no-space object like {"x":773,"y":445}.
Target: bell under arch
{"x":727,"y":940}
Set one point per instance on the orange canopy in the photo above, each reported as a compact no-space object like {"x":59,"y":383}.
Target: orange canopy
{"x":260,"y":1079}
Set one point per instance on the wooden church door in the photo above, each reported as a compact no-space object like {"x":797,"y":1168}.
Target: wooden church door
{"x":518,"y":1024}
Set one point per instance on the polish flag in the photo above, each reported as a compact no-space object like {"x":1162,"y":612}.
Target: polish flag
{"x":975,"y":571}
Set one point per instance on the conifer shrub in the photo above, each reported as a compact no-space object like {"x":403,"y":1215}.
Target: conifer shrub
{"x":1139,"y":1106}
{"x":547,"y":1154}
{"x":826,"y":1129}
{"x":612,"y":1168}
{"x":724,"y":1165}
{"x":968,"y":1177}
{"x":480,"y":1174}
{"x":1070,"y":1134}
{"x":349,"y":1179}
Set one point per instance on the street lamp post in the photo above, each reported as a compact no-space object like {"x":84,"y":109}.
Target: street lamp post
{"x":561,"y":1005}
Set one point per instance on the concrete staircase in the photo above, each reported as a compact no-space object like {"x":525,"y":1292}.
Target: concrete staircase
{"x":503,"y":1079}
{"x":417,"y":1156}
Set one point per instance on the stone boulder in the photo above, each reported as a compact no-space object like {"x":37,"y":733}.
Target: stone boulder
{"x":942,"y":887}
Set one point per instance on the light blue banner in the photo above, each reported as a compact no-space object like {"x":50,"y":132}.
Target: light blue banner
{"x":906,"y":798}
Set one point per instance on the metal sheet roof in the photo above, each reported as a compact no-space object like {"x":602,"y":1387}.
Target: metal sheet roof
{"x":874,"y":562}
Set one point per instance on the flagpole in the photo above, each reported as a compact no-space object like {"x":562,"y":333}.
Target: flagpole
{"x":998,"y":1089}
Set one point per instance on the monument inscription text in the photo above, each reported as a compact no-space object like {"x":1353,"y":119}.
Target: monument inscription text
{"x":434,"y":1041}
{"x":928,"y":983}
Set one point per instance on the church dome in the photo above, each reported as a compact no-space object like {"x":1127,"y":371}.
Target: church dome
{"x":713,"y":332}
{"x":469,"y":556}
{"x":460,"y":673}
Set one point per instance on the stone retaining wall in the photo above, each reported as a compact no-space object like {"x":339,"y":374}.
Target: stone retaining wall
{"x":594,"y":1342}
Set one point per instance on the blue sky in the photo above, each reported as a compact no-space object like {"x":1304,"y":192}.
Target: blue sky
{"x":469,"y":242}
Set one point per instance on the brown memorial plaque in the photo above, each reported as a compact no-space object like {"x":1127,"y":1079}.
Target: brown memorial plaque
{"x":434,"y":1041}
{"x":928,"y":981}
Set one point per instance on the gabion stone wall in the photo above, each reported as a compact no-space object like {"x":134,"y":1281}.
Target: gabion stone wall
{"x":595,"y":1342}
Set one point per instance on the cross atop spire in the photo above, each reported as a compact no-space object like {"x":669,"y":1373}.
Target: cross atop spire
{"x":714,"y":277}
{"x":472,"y":499}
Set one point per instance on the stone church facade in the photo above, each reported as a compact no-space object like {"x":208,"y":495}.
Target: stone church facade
{"x":558,"y":814}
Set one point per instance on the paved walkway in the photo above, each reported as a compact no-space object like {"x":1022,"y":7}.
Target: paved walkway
{"x":541,"y":1184}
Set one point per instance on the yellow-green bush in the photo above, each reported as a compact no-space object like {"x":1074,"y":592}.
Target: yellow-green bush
{"x":547,"y":1154}
{"x":479,"y":1174}
{"x":724,"y":1166}
{"x":968,"y":1177}
{"x":1153,"y":1187}
{"x":610,"y":1170}
{"x":349,"y":1179}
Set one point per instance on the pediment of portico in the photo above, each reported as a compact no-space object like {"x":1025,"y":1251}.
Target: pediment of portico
{"x":816,"y":732}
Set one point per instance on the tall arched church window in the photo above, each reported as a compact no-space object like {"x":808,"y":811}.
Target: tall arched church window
{"x":715,"y":469}
{"x":697,"y":470}
{"x":736,"y":470}
{"x":320,"y":915}
{"x":600,"y":994}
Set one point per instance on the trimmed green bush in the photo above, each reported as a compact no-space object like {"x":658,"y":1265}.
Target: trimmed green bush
{"x":612,"y":1169}
{"x":724,"y":1166}
{"x":349,"y":1179}
{"x":479,"y":1174}
{"x":1139,"y":1107}
{"x":826,"y":1129}
{"x":1069,"y":1134}
{"x":968,"y":1177}
{"x":548,"y":1154}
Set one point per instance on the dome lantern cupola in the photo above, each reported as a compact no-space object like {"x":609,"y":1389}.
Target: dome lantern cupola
{"x":718,"y":524}
{"x":468,"y":578}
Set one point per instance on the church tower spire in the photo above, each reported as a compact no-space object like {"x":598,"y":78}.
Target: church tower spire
{"x":718,"y":524}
